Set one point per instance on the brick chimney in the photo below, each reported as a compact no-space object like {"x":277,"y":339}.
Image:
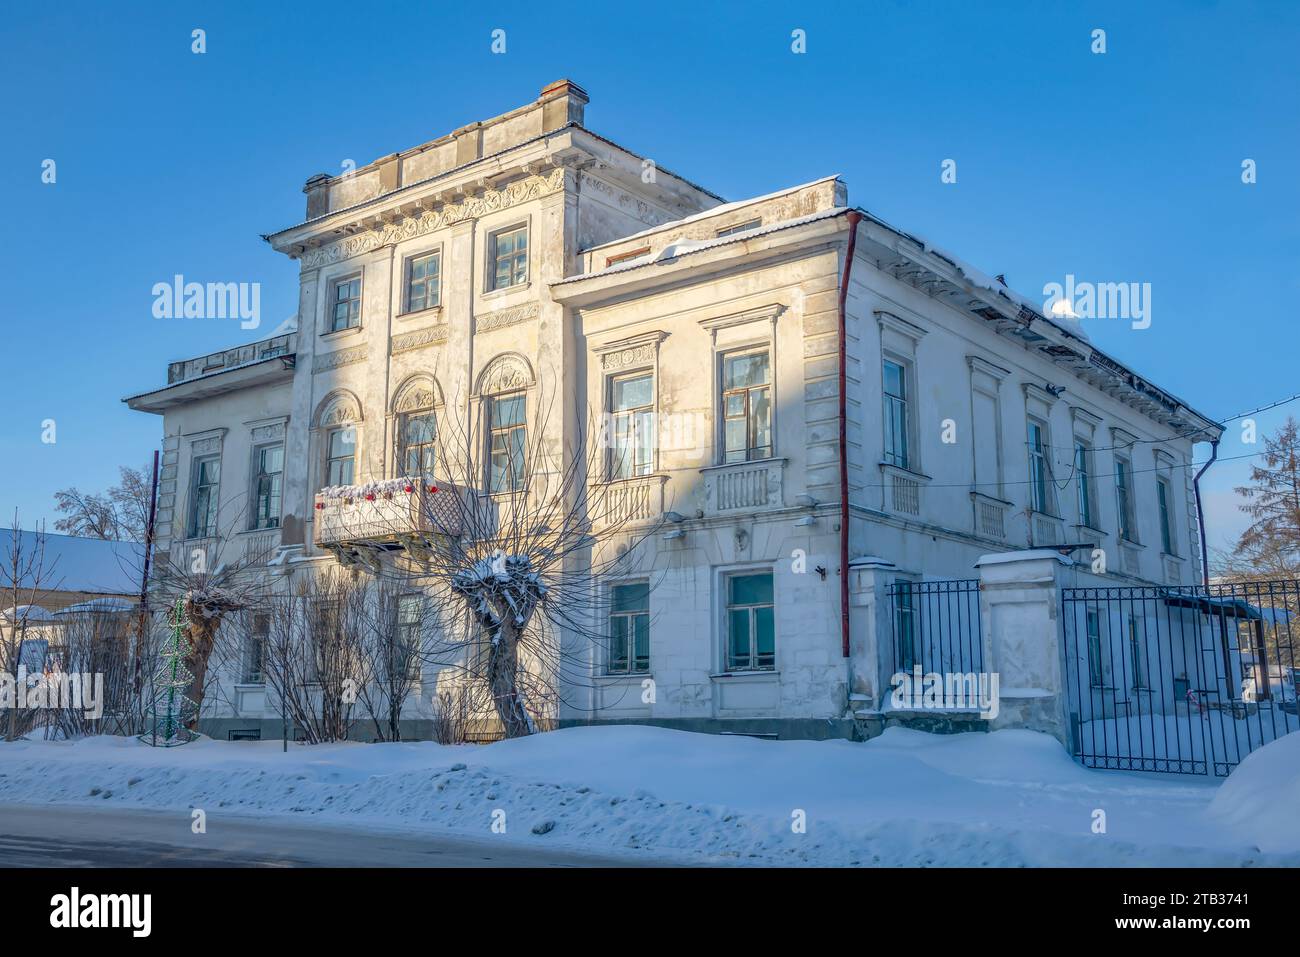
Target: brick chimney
{"x":562,"y":102}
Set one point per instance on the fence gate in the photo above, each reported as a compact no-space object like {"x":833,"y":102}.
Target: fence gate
{"x":936,"y":626}
{"x":1180,"y":679}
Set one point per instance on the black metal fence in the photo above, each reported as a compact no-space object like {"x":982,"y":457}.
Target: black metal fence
{"x":936,"y":625}
{"x":1186,"y":680}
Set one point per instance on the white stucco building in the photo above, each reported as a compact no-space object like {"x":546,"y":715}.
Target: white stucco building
{"x":838,"y":406}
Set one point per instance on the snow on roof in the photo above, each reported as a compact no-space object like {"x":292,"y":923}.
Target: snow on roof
{"x":100,"y":606}
{"x":83,"y":564}
{"x":31,"y":613}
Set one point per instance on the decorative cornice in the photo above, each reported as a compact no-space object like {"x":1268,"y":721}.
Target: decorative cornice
{"x":633,"y":351}
{"x":501,"y":318}
{"x":980,"y":364}
{"x":339,"y":357}
{"x":472,"y":207}
{"x":624,"y":200}
{"x":420,"y":338}
{"x":888,"y":320}
{"x":768,"y":313}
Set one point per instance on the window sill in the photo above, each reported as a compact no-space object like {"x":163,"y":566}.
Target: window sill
{"x":342,"y":333}
{"x":250,"y":686}
{"x":505,"y":290}
{"x":906,"y":472}
{"x":625,"y":676}
{"x":1129,"y":543}
{"x":431,"y":311}
{"x":1172,"y":555}
{"x":770,"y":460}
{"x":1089,"y":528}
{"x":752,"y":674}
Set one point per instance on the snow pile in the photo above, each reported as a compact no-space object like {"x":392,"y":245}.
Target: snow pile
{"x":906,"y":798}
{"x":1260,"y":801}
{"x":386,"y":488}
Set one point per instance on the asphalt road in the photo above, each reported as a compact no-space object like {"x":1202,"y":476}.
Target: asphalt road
{"x":75,"y":836}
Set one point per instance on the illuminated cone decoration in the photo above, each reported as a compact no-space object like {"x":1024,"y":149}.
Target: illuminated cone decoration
{"x":171,"y":707}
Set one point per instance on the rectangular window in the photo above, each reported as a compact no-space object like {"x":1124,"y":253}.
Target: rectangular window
{"x":340,"y":446}
{"x":419,"y":432}
{"x":633,"y":426}
{"x":255,"y":647}
{"x":904,"y":625}
{"x":1124,"y":499}
{"x":1095,"y":674}
{"x":1083,"y":482}
{"x":1164,"y":498}
{"x":897,"y":415}
{"x":629,"y":628}
{"x":406,"y":646}
{"x":751,"y":625}
{"x":508,"y":258}
{"x":422,"y":281}
{"x":268,"y":485}
{"x":507,"y":437}
{"x":204,"y":496}
{"x":746,"y":407}
{"x":626,"y":257}
{"x":739,"y":228}
{"x":345,"y":304}
{"x":1136,"y":653}
{"x":1040,"y":479}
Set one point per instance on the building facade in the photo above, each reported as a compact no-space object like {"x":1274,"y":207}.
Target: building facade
{"x":748,"y":358}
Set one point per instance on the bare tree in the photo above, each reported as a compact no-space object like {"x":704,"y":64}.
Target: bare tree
{"x":24,"y":576}
{"x":120,"y":513}
{"x":513,"y":543}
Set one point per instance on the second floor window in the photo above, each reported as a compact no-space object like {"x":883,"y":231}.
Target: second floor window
{"x":746,"y":407}
{"x":1164,"y":499}
{"x":204,"y":496}
{"x":1083,"y":483}
{"x":897,"y":414}
{"x":751,"y":623}
{"x":508,"y":258}
{"x":346,"y":304}
{"x":419,"y":431}
{"x":422,"y":282}
{"x":629,"y":628}
{"x":1124,"y":499}
{"x":268,"y":485}
{"x":1040,"y":478}
{"x":507,"y":439}
{"x":340,"y":448}
{"x":632,"y":438}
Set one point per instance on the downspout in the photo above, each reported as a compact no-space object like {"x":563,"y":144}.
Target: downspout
{"x":1200,"y":513}
{"x":855,"y":217}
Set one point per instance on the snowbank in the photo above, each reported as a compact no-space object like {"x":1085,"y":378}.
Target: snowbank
{"x":905,"y":798}
{"x":1261,"y":798}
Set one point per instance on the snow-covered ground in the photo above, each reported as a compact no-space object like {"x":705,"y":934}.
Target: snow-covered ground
{"x":905,"y":798}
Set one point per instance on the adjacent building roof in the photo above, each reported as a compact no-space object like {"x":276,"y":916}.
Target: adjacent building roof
{"x":89,"y":565}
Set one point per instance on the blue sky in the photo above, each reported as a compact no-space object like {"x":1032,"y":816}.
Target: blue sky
{"x":1124,"y":166}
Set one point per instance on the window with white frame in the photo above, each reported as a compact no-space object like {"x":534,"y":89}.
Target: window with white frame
{"x":406,"y":634}
{"x":418,"y":443}
{"x":750,"y":622}
{"x":1083,"y":490}
{"x":268,"y":485}
{"x":739,"y":228}
{"x":423,"y":277}
{"x":1124,"y":499}
{"x":632,"y":426}
{"x":1096,"y":673}
{"x":205,"y":490}
{"x":746,"y":406}
{"x":259,"y":630}
{"x":1165,"y":504}
{"x":345,"y":303}
{"x":1137,"y":653}
{"x":629,"y":628}
{"x":507,"y":442}
{"x":340,"y":456}
{"x":897,"y":414}
{"x":508,"y":258}
{"x":1040,"y":473}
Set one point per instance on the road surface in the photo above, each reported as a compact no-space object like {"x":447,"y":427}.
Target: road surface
{"x":77,"y":836}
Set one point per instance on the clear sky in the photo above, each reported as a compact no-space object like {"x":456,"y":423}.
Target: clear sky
{"x":1117,"y":167}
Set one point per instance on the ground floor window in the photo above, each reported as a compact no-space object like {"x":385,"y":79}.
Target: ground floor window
{"x":629,"y":628}
{"x":751,"y":623}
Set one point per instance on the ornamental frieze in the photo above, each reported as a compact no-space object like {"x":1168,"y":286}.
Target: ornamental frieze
{"x":420,"y":338}
{"x":340,"y":357}
{"x":507,"y":317}
{"x":472,"y":207}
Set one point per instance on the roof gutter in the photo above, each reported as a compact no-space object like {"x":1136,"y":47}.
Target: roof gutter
{"x":1200,"y":512}
{"x":854,"y":217}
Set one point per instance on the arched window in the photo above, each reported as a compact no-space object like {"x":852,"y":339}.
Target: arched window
{"x":503,"y":388}
{"x":416,"y":428}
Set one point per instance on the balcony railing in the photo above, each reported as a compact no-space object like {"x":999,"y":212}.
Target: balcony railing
{"x":745,"y":485}
{"x":627,"y":501}
{"x":386,"y":513}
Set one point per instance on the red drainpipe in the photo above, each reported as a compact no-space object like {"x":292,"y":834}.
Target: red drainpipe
{"x":854,"y":218}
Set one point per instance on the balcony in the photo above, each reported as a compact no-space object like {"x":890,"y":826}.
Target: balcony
{"x":628,"y":501}
{"x":744,"y":485}
{"x":385,"y":516}
{"x":990,"y":515}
